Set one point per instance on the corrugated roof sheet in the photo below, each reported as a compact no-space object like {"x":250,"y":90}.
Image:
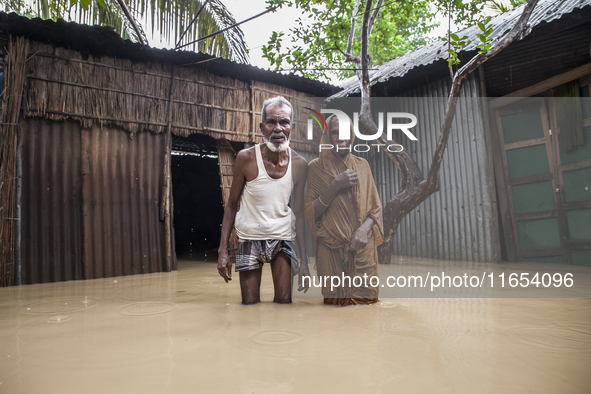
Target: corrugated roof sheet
{"x":545,"y":11}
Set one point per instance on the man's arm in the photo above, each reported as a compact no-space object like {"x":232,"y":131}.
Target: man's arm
{"x":238,"y":181}
{"x":300,"y":175}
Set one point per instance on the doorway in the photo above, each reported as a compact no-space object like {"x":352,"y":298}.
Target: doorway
{"x":197,"y":197}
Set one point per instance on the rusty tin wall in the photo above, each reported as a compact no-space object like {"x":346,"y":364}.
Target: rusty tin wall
{"x":90,"y":202}
{"x":459,"y":222}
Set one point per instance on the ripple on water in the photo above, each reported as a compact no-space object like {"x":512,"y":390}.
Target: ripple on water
{"x":9,"y":304}
{"x":145,"y":309}
{"x":569,"y":339}
{"x":273,"y":343}
{"x":211,"y":279}
{"x":151,"y":293}
{"x":275,"y":337}
{"x":59,"y":319}
{"x":59,"y":305}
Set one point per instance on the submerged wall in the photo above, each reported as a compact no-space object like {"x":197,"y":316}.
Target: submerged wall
{"x":90,"y":202}
{"x":460,"y":221}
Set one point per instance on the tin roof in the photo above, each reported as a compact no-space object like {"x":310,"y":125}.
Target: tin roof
{"x":545,"y":11}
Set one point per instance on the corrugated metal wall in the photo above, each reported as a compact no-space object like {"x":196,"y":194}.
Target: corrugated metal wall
{"x":52,"y":243}
{"x":460,"y":221}
{"x":90,"y":202}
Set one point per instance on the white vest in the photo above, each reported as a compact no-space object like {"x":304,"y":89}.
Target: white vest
{"x":264,"y":213}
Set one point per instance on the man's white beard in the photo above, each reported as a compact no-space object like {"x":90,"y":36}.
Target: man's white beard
{"x":284,"y":145}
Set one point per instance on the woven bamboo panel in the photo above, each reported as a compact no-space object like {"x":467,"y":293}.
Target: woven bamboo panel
{"x":226,"y":160}
{"x":63,"y":84}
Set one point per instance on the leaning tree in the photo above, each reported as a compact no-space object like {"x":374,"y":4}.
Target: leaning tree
{"x":415,"y":188}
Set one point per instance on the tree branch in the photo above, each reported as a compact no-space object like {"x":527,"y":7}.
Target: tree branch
{"x":411,"y":174}
{"x":352,"y":32}
{"x":132,"y":22}
{"x":348,"y":57}
{"x":461,"y":74}
{"x":364,"y":74}
{"x":322,"y":51}
{"x":374,"y":15}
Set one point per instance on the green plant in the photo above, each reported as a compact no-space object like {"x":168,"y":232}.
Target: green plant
{"x":485,"y":32}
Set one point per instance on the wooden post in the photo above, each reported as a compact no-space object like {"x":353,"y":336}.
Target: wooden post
{"x":166,"y":192}
{"x":490,"y":177}
{"x":252,"y":113}
{"x":226,"y":160}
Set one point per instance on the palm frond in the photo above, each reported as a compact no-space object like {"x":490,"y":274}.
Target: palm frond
{"x":170,"y":17}
{"x":234,"y":37}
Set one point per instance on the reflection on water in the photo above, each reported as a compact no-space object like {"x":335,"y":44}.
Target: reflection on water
{"x":186,"y":332}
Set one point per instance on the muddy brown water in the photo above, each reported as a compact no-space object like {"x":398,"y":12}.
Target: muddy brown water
{"x":186,"y":332}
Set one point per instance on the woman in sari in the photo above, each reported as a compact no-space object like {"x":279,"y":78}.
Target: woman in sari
{"x":345,"y":217}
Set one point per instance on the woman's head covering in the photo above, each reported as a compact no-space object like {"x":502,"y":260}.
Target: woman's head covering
{"x":331,"y":161}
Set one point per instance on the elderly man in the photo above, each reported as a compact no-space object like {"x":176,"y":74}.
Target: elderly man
{"x":345,"y":217}
{"x":264,"y":177}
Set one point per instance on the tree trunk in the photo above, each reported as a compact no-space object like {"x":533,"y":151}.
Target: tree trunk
{"x":414,"y":190}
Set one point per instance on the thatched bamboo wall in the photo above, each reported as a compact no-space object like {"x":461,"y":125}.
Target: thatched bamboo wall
{"x":134,"y":96}
{"x":14,"y":82}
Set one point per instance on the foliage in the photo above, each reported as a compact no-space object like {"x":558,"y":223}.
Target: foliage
{"x":455,"y":44}
{"x":169,"y":17}
{"x":316,"y":44}
{"x":501,"y":7}
{"x":486,"y":31}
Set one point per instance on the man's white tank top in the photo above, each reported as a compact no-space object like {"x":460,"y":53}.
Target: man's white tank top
{"x":264,"y":213}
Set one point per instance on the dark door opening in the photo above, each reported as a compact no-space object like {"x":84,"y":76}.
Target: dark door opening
{"x":198,"y":208}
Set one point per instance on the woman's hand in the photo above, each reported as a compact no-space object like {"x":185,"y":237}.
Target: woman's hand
{"x":359,"y":238}
{"x":345,"y":179}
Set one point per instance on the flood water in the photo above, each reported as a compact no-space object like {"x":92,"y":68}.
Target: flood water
{"x":187,"y":332}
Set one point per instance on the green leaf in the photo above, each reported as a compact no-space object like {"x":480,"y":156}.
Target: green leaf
{"x":85,"y":4}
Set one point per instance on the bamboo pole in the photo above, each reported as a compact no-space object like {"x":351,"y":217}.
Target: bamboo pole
{"x":19,"y":223}
{"x":252,"y":113}
{"x":131,"y":20}
{"x":109,"y":119}
{"x":128,"y":69}
{"x":166,"y":193}
{"x":143,"y":95}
